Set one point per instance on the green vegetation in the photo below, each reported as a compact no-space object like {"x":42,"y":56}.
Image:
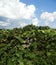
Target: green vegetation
{"x":30,"y":45}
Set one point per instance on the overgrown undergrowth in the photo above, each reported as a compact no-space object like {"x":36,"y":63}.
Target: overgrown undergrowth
{"x":28,"y":46}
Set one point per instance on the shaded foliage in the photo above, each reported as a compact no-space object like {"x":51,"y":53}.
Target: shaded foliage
{"x":30,"y":45}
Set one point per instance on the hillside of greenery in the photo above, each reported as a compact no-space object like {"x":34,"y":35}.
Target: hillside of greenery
{"x":30,"y":45}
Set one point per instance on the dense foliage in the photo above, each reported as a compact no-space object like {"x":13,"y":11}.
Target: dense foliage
{"x":30,"y":45}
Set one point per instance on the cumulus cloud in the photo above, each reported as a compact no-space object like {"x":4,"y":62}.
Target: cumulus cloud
{"x":35,"y":21}
{"x":15,"y":9}
{"x":23,"y":24}
{"x":4,"y":23}
{"x":49,"y":17}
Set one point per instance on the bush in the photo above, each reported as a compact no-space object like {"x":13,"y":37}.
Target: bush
{"x":28,"y":46}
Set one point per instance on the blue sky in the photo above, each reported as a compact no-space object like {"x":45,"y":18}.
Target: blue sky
{"x":46,"y":5}
{"x":18,"y":13}
{"x":42,"y":5}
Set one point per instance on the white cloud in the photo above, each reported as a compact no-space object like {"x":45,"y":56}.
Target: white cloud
{"x":4,"y":23}
{"x":49,"y":17}
{"x":35,"y":21}
{"x":22,"y":24}
{"x":15,"y":9}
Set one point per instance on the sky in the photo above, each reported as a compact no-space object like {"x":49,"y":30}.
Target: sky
{"x":19,"y":13}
